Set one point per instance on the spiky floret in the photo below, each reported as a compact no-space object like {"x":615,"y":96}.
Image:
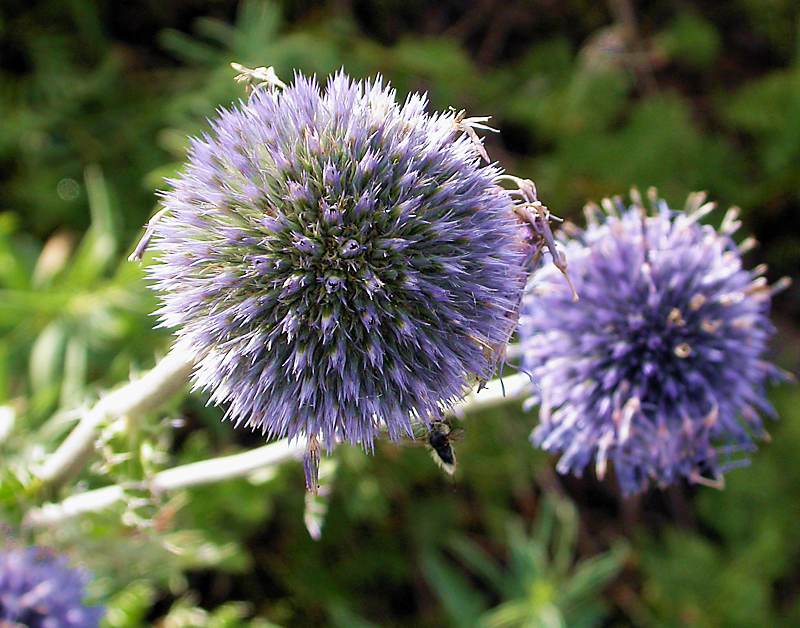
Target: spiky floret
{"x":341,"y":264}
{"x":659,"y":367}
{"x":38,"y":589}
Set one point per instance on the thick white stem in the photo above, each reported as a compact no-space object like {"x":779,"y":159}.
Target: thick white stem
{"x":226,"y":467}
{"x":135,"y":397}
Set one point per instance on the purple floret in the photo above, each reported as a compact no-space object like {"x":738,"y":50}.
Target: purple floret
{"x":342,"y":264}
{"x":38,"y":589}
{"x":659,"y":368}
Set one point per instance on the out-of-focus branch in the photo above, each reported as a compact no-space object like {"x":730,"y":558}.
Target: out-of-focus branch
{"x":239,"y":465}
{"x":138,"y":396}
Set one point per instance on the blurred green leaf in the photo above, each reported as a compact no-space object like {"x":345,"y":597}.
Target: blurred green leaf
{"x":462,"y":602}
{"x":47,"y":358}
{"x":541,"y":586}
{"x":691,"y":39}
{"x":129,"y":607}
{"x":98,"y":247}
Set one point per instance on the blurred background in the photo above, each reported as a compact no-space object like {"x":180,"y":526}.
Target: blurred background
{"x":96,"y":102}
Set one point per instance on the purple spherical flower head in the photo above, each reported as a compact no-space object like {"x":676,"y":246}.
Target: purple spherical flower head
{"x":40,"y":590}
{"x":659,"y":367}
{"x":342,"y":265}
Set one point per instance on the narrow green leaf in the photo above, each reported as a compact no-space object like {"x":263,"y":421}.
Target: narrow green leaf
{"x":461,"y":601}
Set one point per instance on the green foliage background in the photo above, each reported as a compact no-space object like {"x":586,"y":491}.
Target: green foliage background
{"x":96,"y":101}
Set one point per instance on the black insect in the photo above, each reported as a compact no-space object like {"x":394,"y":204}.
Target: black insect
{"x":439,"y":442}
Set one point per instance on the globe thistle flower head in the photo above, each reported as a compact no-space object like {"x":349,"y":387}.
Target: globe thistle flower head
{"x":39,"y":590}
{"x":340,"y":263}
{"x":659,"y":367}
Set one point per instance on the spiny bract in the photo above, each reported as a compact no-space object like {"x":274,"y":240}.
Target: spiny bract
{"x":340,"y":263}
{"x":659,"y":367}
{"x":38,"y":589}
